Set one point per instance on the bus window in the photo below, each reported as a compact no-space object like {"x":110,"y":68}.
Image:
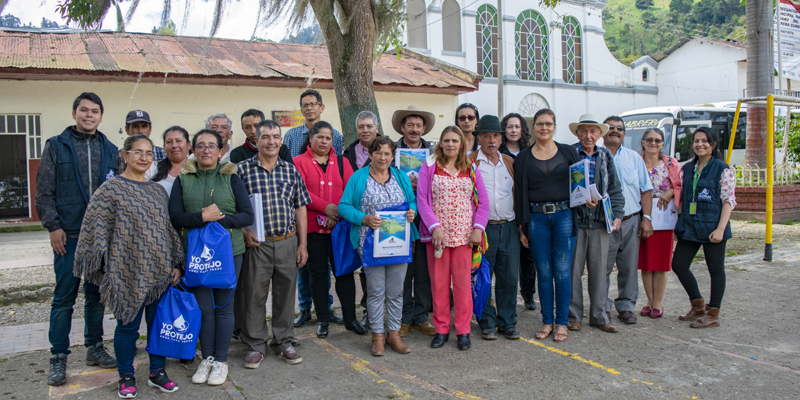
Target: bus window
{"x":635,"y":125}
{"x":723,"y":122}
{"x":694,"y":115}
{"x":683,"y":143}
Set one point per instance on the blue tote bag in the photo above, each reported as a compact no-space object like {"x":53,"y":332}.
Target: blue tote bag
{"x":345,"y":257}
{"x":367,"y":260}
{"x":481,"y":287}
{"x":209,"y":258}
{"x":176,"y":326}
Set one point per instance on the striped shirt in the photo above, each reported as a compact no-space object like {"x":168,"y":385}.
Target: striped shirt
{"x":282,"y":192}
{"x":296,"y":137}
{"x":591,"y":159}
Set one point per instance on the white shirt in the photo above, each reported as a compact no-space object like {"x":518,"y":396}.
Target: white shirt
{"x":633,"y":175}
{"x":499,"y":187}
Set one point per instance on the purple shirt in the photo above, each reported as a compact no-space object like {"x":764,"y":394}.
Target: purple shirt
{"x":362,"y":155}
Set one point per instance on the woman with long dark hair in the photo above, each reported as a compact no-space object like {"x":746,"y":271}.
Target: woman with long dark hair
{"x":709,"y":196}
{"x":176,"y":144}
{"x":453,"y":226}
{"x":655,"y":252}
{"x":326,"y":176}
{"x":517,"y":137}
{"x":208,"y":190}
{"x":130,"y":250}
{"x":467,"y":117}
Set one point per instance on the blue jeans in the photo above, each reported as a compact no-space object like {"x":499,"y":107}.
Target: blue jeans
{"x":552,"y":245}
{"x":125,"y":337}
{"x":64,"y":295}
{"x":304,"y":289}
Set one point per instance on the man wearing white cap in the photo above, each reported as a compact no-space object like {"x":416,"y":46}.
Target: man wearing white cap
{"x":591,"y":248}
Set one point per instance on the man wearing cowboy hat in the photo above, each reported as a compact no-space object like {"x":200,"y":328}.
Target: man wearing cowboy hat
{"x":591,"y":248}
{"x":413,"y":124}
{"x":624,"y":243}
{"x":497,"y":171}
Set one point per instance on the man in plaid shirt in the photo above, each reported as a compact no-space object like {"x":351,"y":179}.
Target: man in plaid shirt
{"x":276,"y":259}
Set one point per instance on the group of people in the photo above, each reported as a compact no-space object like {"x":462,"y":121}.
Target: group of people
{"x":119,"y":219}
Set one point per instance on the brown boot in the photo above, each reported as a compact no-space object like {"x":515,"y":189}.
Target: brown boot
{"x":711,"y":320}
{"x":404,"y":328}
{"x":698,"y":310}
{"x":377,"y":344}
{"x":397,"y":344}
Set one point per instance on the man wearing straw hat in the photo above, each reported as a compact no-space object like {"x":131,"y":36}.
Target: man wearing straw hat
{"x":413,"y":123}
{"x":591,"y":248}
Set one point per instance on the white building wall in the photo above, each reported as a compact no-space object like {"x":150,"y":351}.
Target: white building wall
{"x":701,"y":71}
{"x":608,"y":86}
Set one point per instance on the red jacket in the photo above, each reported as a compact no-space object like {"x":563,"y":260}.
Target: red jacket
{"x":324,"y":187}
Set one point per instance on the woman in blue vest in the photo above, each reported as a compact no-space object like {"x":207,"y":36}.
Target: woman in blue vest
{"x":208,"y":191}
{"x":708,"y":198}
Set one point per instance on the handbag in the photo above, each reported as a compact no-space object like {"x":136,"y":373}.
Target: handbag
{"x":176,"y":326}
{"x":367,"y":260}
{"x":345,"y":259}
{"x":477,"y":251}
{"x":209,"y":258}
{"x":481,"y":287}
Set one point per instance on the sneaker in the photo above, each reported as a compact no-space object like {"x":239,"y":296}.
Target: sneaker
{"x":127,"y":387}
{"x":201,"y":376}
{"x":58,"y":370}
{"x":489,"y":334}
{"x":253,"y":359}
{"x":218,"y":374}
{"x":162,"y":382}
{"x":291,"y":356}
{"x":98,"y":355}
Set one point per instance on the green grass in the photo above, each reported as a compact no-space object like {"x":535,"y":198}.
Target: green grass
{"x":731,"y":253}
{"x":22,"y":228}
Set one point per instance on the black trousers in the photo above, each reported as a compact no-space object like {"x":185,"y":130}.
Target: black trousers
{"x":320,"y":256}
{"x":417,"y":298}
{"x":715,"y":259}
{"x":527,"y":274}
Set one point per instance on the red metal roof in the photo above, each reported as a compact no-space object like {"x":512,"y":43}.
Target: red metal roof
{"x":193,"y":56}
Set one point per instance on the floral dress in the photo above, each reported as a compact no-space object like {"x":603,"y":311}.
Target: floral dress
{"x":451,"y":197}
{"x":659,"y":176}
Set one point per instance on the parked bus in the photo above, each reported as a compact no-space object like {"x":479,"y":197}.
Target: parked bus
{"x":678,"y":124}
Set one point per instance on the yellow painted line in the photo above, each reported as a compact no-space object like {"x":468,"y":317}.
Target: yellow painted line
{"x":362,"y":365}
{"x":593,"y":363}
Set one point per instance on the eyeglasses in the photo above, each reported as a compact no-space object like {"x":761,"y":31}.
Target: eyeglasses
{"x":544,"y":124}
{"x":463,"y":118}
{"x":310,"y":105}
{"x":210,"y":147}
{"x":654,"y":140}
{"x":620,"y":128}
{"x":141,"y":154}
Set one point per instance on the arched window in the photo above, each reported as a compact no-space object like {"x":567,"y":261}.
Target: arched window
{"x":532,"y":57}
{"x":417,"y":24}
{"x":571,"y":51}
{"x":644,"y":74}
{"x":451,"y":26}
{"x":486,"y":30}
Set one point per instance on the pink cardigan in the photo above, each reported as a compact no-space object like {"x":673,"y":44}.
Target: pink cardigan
{"x":324,"y":187}
{"x":674,"y":178}
{"x":480,"y":216}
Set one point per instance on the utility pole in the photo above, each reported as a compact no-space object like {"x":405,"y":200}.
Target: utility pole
{"x":500,"y":82}
{"x":760,"y":69}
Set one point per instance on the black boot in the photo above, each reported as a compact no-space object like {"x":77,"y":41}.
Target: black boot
{"x":58,"y":370}
{"x":463,"y":342}
{"x":98,"y":355}
{"x":302,"y":318}
{"x":322,"y":329}
{"x":439,"y":339}
{"x":365,"y":320}
{"x":335,"y":318}
{"x":355,"y":327}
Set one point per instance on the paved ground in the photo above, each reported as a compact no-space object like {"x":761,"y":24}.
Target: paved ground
{"x":755,"y":354}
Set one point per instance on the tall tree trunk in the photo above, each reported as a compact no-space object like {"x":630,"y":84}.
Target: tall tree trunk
{"x":760,"y":69}
{"x":351,"y":53}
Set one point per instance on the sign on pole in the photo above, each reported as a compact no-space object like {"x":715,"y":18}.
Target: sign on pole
{"x":787,"y":42}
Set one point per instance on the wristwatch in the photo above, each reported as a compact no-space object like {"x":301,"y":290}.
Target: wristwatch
{"x":648,"y":217}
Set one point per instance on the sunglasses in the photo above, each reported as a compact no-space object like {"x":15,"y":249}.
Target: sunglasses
{"x":463,"y":118}
{"x":654,"y":140}
{"x":620,"y":128}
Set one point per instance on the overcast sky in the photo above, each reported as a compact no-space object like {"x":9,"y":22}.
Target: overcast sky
{"x":238,"y":23}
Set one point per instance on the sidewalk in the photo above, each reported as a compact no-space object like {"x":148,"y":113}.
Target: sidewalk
{"x":33,"y":337}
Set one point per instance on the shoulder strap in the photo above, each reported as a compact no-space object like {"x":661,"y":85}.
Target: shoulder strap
{"x":339,"y":160}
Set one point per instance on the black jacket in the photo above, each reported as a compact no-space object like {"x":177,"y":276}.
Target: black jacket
{"x":244,"y":152}
{"x":350,"y":154}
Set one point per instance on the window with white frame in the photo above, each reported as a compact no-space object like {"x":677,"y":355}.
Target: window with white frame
{"x":486,"y":38}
